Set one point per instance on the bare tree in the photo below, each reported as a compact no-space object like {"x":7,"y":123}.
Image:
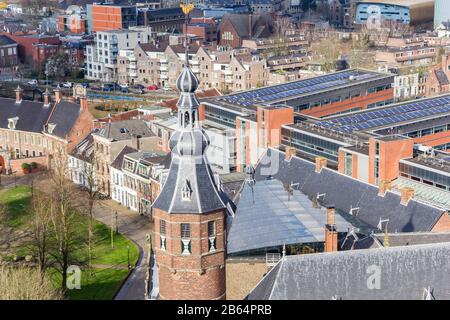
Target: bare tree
{"x":63,"y":216}
{"x":40,"y":228}
{"x":93,"y":188}
{"x":20,"y":283}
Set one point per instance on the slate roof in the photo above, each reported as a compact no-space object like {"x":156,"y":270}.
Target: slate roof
{"x":64,"y":116}
{"x":267,"y":216}
{"x":85,"y":149}
{"x":5,"y":41}
{"x":261,"y":24}
{"x":32,"y":115}
{"x":124,"y":130}
{"x":346,"y":193}
{"x":441,"y":77}
{"x":117,"y":163}
{"x":404,"y":272}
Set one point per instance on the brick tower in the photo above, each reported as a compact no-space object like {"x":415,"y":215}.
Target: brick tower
{"x":189,"y":214}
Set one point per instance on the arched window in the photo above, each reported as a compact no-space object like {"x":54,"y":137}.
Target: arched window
{"x":193,"y":118}
{"x":186,"y":119}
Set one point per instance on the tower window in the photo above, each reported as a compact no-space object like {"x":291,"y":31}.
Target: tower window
{"x":185,"y":238}
{"x":211,"y":236}
{"x":162,"y":235}
{"x":162,"y":227}
{"x":185,"y":231}
{"x":211,"y":229}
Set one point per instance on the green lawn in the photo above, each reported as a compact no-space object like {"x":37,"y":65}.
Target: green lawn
{"x":110,"y":265}
{"x":16,"y":201}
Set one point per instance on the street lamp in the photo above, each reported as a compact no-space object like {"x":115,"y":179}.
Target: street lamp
{"x":129,"y":264}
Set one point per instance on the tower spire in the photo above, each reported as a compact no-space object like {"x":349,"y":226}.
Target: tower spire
{"x":187,"y":8}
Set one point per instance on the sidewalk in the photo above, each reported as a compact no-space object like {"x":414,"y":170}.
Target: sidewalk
{"x":135,"y":228}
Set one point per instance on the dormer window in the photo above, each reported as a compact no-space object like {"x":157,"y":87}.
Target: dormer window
{"x":51,"y":128}
{"x":12,"y":122}
{"x":186,"y":192}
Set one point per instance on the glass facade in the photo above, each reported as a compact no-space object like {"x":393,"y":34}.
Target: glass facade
{"x":220,"y":116}
{"x":426,"y":176}
{"x":312,"y":145}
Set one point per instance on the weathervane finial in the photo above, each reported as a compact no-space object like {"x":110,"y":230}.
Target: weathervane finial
{"x":187,"y":8}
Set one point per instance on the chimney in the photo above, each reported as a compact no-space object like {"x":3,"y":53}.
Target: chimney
{"x":331,"y":239}
{"x":321,"y":163}
{"x":383,"y":187}
{"x":19,"y":94}
{"x":290,"y":152}
{"x":406,"y":195}
{"x":46,"y":98}
{"x":83,"y":103}
{"x":58,"y":94}
{"x":136,"y":142}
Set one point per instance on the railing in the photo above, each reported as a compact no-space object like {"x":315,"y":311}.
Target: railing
{"x":272,"y":259}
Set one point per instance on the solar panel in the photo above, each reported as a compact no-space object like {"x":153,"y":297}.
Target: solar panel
{"x":395,"y":114}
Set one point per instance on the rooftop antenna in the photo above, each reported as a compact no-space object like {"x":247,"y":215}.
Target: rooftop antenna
{"x":386,"y":235}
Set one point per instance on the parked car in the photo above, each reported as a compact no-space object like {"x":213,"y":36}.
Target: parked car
{"x":152,"y":87}
{"x":47,"y":82}
{"x":68,"y":84}
{"x":110,"y":87}
{"x":33,"y":82}
{"x":124,"y":89}
{"x":138,"y":86}
{"x":140,"y":91}
{"x":85,"y":84}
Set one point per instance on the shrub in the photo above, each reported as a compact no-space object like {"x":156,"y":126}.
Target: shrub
{"x":34,"y":165}
{"x":26,"y":166}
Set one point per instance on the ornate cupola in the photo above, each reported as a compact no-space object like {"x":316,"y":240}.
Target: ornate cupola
{"x":189,"y":213}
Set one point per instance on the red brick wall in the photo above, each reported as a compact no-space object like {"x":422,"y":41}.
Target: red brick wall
{"x":200,"y":275}
{"x":349,"y":104}
{"x":443,"y":224}
{"x":16,"y":164}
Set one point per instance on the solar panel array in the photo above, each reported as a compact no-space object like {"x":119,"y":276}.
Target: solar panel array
{"x":292,"y":89}
{"x":365,"y":120}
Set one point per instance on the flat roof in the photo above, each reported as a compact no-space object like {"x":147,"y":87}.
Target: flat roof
{"x":301,"y":88}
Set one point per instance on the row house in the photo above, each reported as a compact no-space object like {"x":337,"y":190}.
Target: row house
{"x":137,"y":177}
{"x":415,"y":55}
{"x":80,"y":164}
{"x":109,"y":141}
{"x":41,"y":132}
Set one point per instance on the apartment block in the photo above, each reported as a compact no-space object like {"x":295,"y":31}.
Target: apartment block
{"x":102,"y":56}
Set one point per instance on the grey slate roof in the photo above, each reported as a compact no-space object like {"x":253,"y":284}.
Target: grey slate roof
{"x":267,"y":217}
{"x":124,"y":130}
{"x":117,"y":163}
{"x":345,"y":193}
{"x":441,"y":77}
{"x":32,"y":114}
{"x":4,"y":41}
{"x":85,"y":149}
{"x":404,"y":272}
{"x":64,"y":116}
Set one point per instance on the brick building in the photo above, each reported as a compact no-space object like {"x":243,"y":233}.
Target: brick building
{"x":234,"y":28}
{"x":52,"y":128}
{"x":109,"y":141}
{"x":105,"y":17}
{"x":189,"y":213}
{"x":8,"y":55}
{"x":28,"y":44}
